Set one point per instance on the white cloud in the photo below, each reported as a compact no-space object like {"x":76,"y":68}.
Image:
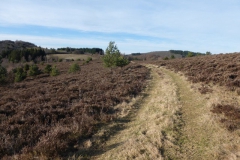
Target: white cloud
{"x":125,"y":45}
{"x":203,"y":25}
{"x":117,"y":16}
{"x":53,"y":42}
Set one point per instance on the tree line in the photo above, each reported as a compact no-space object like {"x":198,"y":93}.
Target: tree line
{"x":82,"y":50}
{"x":27,"y":55}
{"x":135,"y":54}
{"x":188,"y":53}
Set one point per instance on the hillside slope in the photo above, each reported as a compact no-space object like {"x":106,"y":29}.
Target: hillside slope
{"x":222,"y":69}
{"x":66,"y":109}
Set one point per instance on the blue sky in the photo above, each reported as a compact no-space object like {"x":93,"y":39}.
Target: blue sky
{"x":135,"y":25}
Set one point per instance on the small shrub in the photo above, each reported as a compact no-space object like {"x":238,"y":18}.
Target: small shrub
{"x":121,"y":61}
{"x":14,"y":70}
{"x":190,"y":54}
{"x":48,"y":69}
{"x":3,"y":74}
{"x":54,"y":71}
{"x":89,"y":59}
{"x":166,"y":58}
{"x":60,"y":60}
{"x":172,"y":57}
{"x":20,"y":75}
{"x":26,"y":67}
{"x":74,"y":68}
{"x":111,"y":54}
{"x":113,"y":58}
{"x":78,"y":59}
{"x":34,"y":70}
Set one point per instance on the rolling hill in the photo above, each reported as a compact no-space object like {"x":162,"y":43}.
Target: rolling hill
{"x":11,"y":45}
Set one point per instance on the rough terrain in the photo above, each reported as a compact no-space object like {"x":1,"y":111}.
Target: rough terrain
{"x":173,"y":120}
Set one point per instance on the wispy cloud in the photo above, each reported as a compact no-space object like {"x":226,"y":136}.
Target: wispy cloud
{"x":168,"y":24}
{"x":125,"y":45}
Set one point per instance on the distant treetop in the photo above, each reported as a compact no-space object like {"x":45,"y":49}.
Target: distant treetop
{"x":186,"y":53}
{"x":136,"y":54}
{"x":82,"y":50}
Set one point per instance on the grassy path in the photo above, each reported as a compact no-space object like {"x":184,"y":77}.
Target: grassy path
{"x":171,"y":122}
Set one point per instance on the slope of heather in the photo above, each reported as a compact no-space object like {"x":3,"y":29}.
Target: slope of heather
{"x":223,"y":69}
{"x":50,"y":117}
{"x":217,"y":77}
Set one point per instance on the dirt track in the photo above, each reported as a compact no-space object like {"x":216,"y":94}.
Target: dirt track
{"x":172,"y":121}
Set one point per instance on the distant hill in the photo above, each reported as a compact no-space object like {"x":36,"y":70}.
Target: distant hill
{"x":155,"y":55}
{"x":13,"y":45}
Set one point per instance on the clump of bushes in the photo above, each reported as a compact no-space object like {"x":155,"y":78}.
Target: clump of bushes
{"x":22,"y":72}
{"x":53,"y":71}
{"x":34,"y":70}
{"x":74,"y":68}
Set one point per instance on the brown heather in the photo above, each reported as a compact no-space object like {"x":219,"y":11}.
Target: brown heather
{"x":231,"y":118}
{"x":222,"y":70}
{"x":48,"y":117}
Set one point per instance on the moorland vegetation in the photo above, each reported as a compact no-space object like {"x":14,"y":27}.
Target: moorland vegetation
{"x":49,"y":109}
{"x":44,"y":117}
{"x":221,"y":70}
